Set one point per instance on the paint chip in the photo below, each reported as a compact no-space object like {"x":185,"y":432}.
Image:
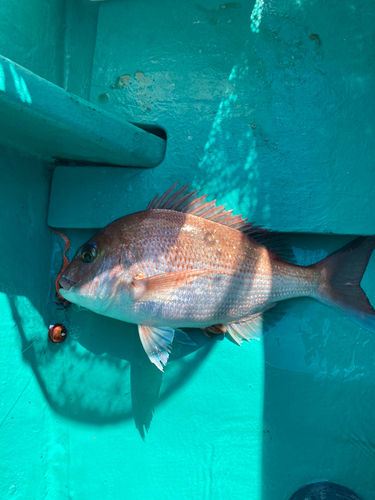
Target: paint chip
{"x":103,"y":98}
{"x":122,"y":82}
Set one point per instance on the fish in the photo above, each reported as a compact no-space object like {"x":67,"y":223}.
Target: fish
{"x":188,"y":263}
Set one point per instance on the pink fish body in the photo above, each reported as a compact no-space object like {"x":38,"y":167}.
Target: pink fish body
{"x":183,"y":263}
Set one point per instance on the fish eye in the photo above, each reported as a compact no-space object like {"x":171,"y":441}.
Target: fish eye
{"x":88,"y":253}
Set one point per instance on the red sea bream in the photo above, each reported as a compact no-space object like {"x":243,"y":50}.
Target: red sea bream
{"x":187,"y":263}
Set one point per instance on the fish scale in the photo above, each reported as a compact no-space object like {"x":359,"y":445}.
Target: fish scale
{"x":173,"y":241}
{"x":165,"y":268}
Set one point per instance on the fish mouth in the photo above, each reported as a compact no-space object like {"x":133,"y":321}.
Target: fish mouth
{"x":66,"y":283}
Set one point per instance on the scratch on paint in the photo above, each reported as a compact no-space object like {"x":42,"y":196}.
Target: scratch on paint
{"x":19,"y":397}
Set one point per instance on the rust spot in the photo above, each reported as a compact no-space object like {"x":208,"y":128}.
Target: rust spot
{"x":316,"y":38}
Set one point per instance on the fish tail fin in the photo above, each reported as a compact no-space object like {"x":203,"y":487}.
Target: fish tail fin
{"x":340,"y":277}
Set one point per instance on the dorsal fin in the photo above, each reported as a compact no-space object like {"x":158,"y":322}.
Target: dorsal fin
{"x":188,"y":203}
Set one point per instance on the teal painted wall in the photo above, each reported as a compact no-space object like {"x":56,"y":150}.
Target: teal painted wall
{"x":24,"y":280}
{"x":273,"y":123}
{"x":252,"y":422}
{"x":33,"y":35}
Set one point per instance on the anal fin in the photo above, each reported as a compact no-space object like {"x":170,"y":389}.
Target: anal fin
{"x":257,"y":325}
{"x":247,"y":330}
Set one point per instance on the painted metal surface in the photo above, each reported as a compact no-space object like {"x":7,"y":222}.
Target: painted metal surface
{"x":278,"y":124}
{"x":253,"y":422}
{"x":256,"y":421}
{"x":43,"y":119}
{"x":32,"y":36}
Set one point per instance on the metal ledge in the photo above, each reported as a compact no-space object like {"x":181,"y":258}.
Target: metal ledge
{"x":43,"y":119}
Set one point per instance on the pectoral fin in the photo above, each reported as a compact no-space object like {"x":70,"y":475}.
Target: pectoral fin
{"x":157,"y":287}
{"x":157,"y":342}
